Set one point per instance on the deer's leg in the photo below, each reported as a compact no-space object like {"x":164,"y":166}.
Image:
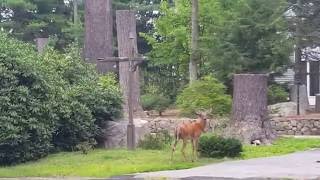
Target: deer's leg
{"x":193,"y":147}
{"x":183,"y":149}
{"x":196,"y":144}
{"x":174,"y":147}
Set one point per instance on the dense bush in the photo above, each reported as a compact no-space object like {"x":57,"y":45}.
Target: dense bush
{"x":155,"y":141}
{"x":217,"y":147}
{"x":153,"y":99}
{"x":205,"y":94}
{"x":155,"y":102}
{"x":277,"y":94}
{"x":49,"y":102}
{"x":26,"y":100}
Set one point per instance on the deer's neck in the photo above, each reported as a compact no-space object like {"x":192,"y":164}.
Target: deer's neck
{"x":202,"y":123}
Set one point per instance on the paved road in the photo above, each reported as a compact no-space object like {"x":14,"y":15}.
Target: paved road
{"x":302,"y":165}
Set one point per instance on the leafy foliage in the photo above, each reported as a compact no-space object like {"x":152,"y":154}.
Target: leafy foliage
{"x":219,"y":147}
{"x":26,"y":114}
{"x":50,"y":101}
{"x":207,"y":93}
{"x":29,"y":19}
{"x":277,"y":94}
{"x":153,"y":99}
{"x":155,"y":102}
{"x":156,"y":141}
{"x":235,"y":36}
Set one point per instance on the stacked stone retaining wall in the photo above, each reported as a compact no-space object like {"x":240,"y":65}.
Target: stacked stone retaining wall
{"x":296,"y":125}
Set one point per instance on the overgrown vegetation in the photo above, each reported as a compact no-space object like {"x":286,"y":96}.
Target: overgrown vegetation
{"x":49,"y":102}
{"x":207,"y":93}
{"x":153,"y":99}
{"x":219,"y":147}
{"x":158,"y":103}
{"x":236,"y":36}
{"x":156,"y":141}
{"x":277,"y":94}
{"x":106,"y":163}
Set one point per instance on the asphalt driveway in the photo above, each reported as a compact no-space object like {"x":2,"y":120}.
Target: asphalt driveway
{"x":301,"y":165}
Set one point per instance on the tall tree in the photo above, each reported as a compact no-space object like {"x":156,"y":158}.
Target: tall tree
{"x":234,"y":36}
{"x":28,"y":19}
{"x":194,"y":58}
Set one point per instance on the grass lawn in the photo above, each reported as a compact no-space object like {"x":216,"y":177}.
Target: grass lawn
{"x":106,"y":163}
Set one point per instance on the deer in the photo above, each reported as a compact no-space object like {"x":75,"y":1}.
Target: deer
{"x":190,"y":130}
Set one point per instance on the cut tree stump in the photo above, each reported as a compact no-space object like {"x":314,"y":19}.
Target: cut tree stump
{"x":250,"y":119}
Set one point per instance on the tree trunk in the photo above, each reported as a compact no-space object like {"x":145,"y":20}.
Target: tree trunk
{"x":41,"y":43}
{"x":127,"y":47}
{"x":193,"y":69}
{"x":249,"y":110}
{"x":99,"y":34}
{"x":75,"y":12}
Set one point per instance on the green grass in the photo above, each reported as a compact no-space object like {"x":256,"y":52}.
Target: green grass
{"x":106,"y":163}
{"x":280,"y":147}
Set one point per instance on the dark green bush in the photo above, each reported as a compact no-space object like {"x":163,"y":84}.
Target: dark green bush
{"x":155,"y":102}
{"x":218,"y":147}
{"x":49,"y":102}
{"x":26,"y":100}
{"x":87,"y":100}
{"x":155,"y":141}
{"x":277,"y":94}
{"x":207,"y":93}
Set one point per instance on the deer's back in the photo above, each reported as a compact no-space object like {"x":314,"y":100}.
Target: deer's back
{"x":188,"y":130}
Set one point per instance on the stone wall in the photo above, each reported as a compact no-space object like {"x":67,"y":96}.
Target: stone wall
{"x":115,"y":135}
{"x":296,"y":125}
{"x":282,"y":125}
{"x":168,"y":124}
{"x":286,"y":122}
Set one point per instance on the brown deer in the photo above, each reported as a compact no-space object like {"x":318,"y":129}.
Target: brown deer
{"x":190,"y":130}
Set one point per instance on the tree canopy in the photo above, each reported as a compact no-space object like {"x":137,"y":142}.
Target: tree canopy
{"x":235,"y":36}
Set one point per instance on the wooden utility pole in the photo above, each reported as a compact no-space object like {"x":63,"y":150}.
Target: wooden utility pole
{"x":194,"y":58}
{"x":127,"y":47}
{"x":99,"y":33}
{"x":300,"y":66}
{"x":133,"y":66}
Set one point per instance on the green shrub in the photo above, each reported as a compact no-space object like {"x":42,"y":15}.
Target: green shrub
{"x":155,"y":141}
{"x":277,"y":94}
{"x":218,"y":147}
{"x":26,"y":104}
{"x":207,"y":93}
{"x":87,"y":100}
{"x":49,"y":102}
{"x":155,"y":102}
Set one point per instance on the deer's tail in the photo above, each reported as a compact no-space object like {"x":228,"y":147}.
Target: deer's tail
{"x":176,"y":138}
{"x":176,"y":134}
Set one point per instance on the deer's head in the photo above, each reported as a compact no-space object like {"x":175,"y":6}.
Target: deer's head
{"x":203,"y":115}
